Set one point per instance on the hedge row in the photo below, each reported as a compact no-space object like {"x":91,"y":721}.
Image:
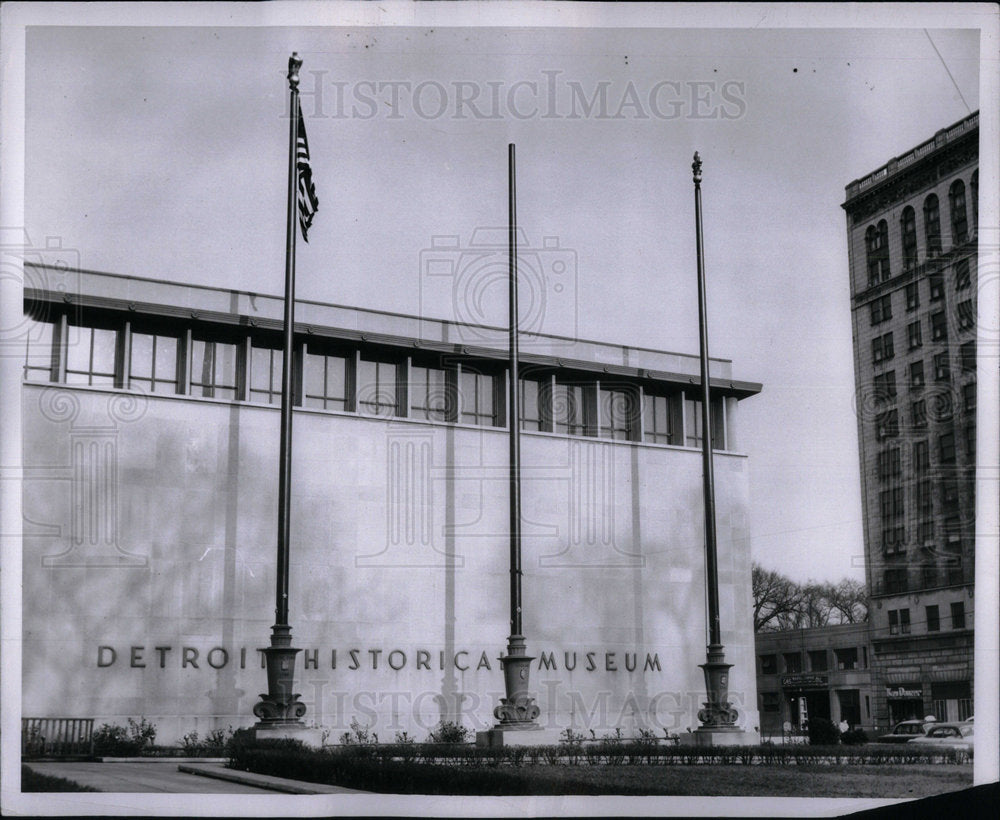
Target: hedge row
{"x":440,"y":768}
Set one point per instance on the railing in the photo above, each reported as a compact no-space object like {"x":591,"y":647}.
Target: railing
{"x":57,"y":736}
{"x":942,"y":137}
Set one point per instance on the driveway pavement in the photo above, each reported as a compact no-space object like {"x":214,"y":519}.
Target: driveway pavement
{"x":152,"y":776}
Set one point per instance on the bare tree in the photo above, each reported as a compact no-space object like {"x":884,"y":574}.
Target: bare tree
{"x":849,"y":601}
{"x":781,"y":603}
{"x":777,"y":600}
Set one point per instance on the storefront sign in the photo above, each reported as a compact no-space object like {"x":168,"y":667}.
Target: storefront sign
{"x":904,"y":692}
{"x":804,"y":681}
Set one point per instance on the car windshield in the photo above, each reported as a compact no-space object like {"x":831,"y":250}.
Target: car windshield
{"x":943,"y":731}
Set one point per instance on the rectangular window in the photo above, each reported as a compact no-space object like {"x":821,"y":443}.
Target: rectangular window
{"x":958,"y":615}
{"x":946,"y":448}
{"x":769,"y":702}
{"x":479,"y":398}
{"x":153,"y":363}
{"x":40,"y":352}
{"x":214,"y":369}
{"x":768,"y":665}
{"x":895,"y":581}
{"x":913,"y":335}
{"x":818,"y":660}
{"x":893,"y":621}
{"x":887,"y":425}
{"x":924,"y":497}
{"x":378,"y":391}
{"x":793,"y":662}
{"x":325,"y":379}
{"x":619,"y":416}
{"x":885,"y":385}
{"x":968,"y":356}
{"x":912,"y":296}
{"x":659,"y":423}
{"x":933,"y":618}
{"x":918,"y":413}
{"x":692,"y":423}
{"x":881,"y":309}
{"x":904,"y":621}
{"x":929,"y":573}
{"x":535,"y":396}
{"x":573,"y":408}
{"x":847,"y":658}
{"x":936,"y":281}
{"x":962,"y":278}
{"x":939,"y":326}
{"x":966,"y":315}
{"x":882,"y":348}
{"x":431,"y":393}
{"x":921,"y":457}
{"x":92,"y":356}
{"x":917,"y":375}
{"x":969,"y":397}
{"x":888,"y":463}
{"x":893,"y":539}
{"x":266,"y":365}
{"x":942,"y":368}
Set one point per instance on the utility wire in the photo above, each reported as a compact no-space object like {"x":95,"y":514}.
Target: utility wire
{"x":943,"y":63}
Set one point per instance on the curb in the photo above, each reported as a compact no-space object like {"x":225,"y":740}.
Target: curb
{"x":277,"y":784}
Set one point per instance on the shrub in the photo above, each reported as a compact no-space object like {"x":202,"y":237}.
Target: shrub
{"x":214,"y":743}
{"x":117,"y":741}
{"x":448,"y":732}
{"x":359,"y":735}
{"x":823,"y":732}
{"x":854,"y":737}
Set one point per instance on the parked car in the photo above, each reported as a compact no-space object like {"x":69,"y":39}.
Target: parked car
{"x":958,"y":736}
{"x":906,"y":731}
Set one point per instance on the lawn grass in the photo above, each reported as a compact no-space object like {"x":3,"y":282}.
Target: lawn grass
{"x":32,"y":781}
{"x":910,"y":781}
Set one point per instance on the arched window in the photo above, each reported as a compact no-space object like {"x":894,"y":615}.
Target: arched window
{"x":877,"y":252}
{"x":908,"y":231}
{"x":959,"y":218}
{"x":932,"y":225}
{"x":974,"y":185}
{"x":871,"y":254}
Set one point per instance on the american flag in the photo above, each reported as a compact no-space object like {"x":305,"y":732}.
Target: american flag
{"x":308,"y":203}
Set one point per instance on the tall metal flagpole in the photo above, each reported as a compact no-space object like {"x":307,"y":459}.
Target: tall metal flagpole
{"x":281,"y":706}
{"x":718,"y":714}
{"x":518,"y":709}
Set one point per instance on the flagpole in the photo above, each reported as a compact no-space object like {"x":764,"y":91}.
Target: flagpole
{"x":518,"y":709}
{"x":718,"y":714}
{"x":281,"y":706}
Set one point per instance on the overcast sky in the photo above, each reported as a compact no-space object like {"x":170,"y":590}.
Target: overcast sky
{"x":162,"y":152}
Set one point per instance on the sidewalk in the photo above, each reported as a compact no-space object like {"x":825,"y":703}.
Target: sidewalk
{"x":166,"y":775}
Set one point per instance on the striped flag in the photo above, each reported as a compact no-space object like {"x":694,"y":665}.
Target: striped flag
{"x":307,"y":201}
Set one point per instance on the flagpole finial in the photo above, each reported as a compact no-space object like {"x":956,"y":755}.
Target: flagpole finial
{"x":696,"y":167}
{"x":294,"y":64}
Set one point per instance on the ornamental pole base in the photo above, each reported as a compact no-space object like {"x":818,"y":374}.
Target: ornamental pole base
{"x":718,"y":714}
{"x":518,"y":709}
{"x":280,"y":706}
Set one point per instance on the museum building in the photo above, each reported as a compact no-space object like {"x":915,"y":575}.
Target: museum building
{"x":150,"y":433}
{"x":912,"y":245}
